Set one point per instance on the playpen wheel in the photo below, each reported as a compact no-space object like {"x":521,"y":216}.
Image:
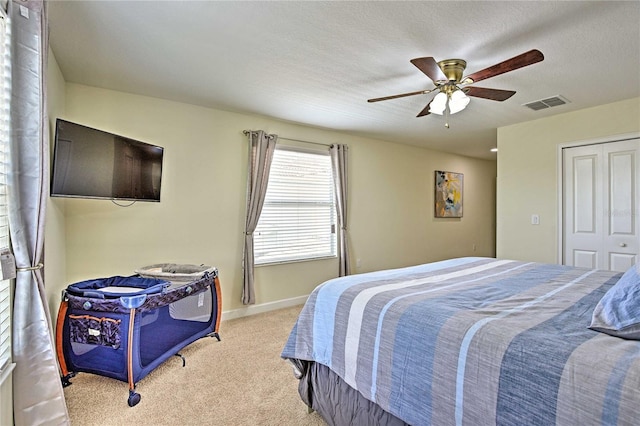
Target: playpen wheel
{"x":66,"y":380}
{"x":134,"y":398}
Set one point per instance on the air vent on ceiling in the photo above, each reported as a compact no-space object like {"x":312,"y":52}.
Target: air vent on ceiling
{"x":547,"y":103}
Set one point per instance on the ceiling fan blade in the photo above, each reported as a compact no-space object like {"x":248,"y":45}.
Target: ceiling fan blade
{"x":492,"y":94}
{"x":425,"y":111}
{"x":402,"y":95}
{"x":430,"y":67}
{"x":527,"y":58}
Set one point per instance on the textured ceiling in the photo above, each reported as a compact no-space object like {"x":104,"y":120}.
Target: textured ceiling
{"x":317,"y":63}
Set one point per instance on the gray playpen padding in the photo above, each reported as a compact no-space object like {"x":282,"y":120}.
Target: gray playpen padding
{"x":174,"y":272}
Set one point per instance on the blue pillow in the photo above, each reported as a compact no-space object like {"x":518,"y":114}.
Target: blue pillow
{"x":618,"y":312}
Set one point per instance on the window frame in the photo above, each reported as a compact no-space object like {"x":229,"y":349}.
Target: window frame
{"x":333,"y":234}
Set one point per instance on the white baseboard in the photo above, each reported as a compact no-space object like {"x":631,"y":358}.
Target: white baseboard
{"x":263,"y":307}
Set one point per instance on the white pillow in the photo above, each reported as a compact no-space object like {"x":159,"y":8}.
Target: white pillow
{"x":618,"y":312}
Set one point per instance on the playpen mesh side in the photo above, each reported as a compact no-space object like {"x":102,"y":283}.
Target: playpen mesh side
{"x":172,"y":324}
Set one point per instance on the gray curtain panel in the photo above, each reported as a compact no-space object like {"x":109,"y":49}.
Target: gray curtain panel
{"x":339,"y":156}
{"x":261,"y":148}
{"x":37,"y":390}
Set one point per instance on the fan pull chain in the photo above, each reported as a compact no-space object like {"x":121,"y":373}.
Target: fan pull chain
{"x":446,"y":113}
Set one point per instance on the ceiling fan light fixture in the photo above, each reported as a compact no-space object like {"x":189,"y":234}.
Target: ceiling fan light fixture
{"x":458,"y":101}
{"x":438,"y":104}
{"x":447,"y":77}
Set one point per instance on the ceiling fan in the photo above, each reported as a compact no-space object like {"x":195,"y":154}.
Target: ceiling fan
{"x":452,"y":88}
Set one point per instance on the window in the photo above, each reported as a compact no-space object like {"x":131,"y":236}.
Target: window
{"x":298,"y":219}
{"x":5,"y":99}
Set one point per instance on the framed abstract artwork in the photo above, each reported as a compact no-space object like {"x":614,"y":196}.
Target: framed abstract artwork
{"x":448,"y":194}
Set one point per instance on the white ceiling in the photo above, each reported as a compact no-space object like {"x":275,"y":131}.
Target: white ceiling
{"x":317,"y":63}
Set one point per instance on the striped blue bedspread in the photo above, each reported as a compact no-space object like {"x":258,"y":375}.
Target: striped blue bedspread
{"x":474,"y":341}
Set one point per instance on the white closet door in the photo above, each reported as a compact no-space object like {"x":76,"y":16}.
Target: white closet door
{"x":601,"y":196}
{"x":582,"y":198}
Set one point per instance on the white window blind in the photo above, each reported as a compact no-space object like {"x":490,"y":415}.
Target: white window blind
{"x":5,"y":99}
{"x":298,"y":218}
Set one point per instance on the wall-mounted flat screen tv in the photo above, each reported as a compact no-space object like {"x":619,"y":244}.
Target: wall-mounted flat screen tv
{"x":91,"y":163}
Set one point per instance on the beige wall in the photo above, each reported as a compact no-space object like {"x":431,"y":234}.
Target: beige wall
{"x":55,"y":271}
{"x":528,"y":174}
{"x":201,"y":215}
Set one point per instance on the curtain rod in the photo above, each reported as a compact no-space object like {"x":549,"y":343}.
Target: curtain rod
{"x":297,"y":140}
{"x":312,"y":143}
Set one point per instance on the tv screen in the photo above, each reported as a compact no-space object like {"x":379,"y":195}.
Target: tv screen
{"x":91,"y":163}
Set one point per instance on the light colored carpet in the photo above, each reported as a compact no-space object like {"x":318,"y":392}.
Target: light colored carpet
{"x":239,"y":381}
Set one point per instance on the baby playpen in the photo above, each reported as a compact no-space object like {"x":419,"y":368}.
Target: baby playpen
{"x":125,"y":327}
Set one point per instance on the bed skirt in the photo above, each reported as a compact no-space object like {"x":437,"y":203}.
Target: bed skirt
{"x":337,"y":402}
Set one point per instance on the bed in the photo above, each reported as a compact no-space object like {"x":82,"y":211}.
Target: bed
{"x":471,"y":341}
